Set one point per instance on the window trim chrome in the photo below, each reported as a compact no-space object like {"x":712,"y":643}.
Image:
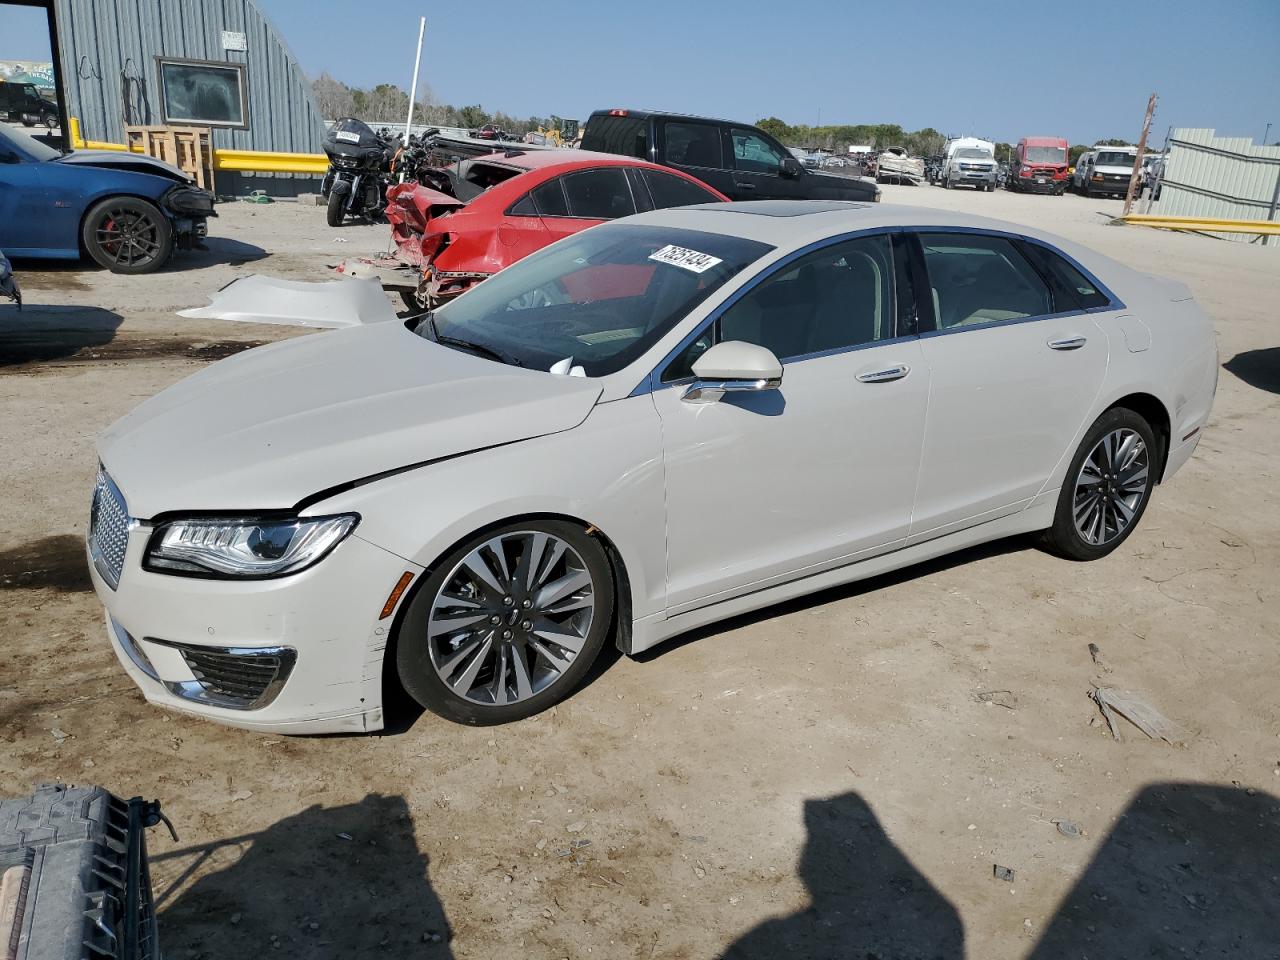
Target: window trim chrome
{"x":652,"y":382}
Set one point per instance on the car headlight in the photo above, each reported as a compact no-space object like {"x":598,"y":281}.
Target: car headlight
{"x":189,"y":201}
{"x":241,"y":547}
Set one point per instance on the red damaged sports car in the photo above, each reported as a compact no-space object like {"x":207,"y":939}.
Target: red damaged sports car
{"x":493,"y":210}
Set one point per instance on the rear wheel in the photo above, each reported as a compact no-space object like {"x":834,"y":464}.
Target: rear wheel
{"x":508,"y":624}
{"x":1107,"y":487}
{"x":127,"y":235}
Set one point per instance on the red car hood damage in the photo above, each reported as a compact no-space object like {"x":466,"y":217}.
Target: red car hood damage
{"x":410,"y":207}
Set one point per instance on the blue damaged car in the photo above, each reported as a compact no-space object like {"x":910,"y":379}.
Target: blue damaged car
{"x":126,"y":211}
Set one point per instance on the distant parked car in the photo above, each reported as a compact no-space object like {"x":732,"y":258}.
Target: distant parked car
{"x":127,"y":211}
{"x":495,"y":210}
{"x":1040,"y":166}
{"x":21,"y":102}
{"x":1107,"y":171}
{"x":741,"y":161}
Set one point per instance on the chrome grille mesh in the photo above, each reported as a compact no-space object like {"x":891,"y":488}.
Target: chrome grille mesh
{"x":108,"y":529}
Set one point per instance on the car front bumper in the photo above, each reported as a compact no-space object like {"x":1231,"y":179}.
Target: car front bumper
{"x":298,"y":654}
{"x":1115,"y":187}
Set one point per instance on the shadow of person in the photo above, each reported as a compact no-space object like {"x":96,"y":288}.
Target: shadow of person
{"x":337,"y":882}
{"x":45,"y":332}
{"x":868,"y":901}
{"x":1189,"y":870}
{"x":1258,"y":368}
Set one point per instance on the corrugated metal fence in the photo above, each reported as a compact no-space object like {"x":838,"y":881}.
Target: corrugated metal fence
{"x":1218,"y":177}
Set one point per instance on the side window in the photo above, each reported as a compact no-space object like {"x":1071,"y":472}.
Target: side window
{"x":840,"y":296}
{"x":671,"y":191}
{"x":980,"y":279}
{"x":600,"y":194}
{"x":524,"y":207}
{"x":1077,"y":290}
{"x":753,"y":153}
{"x":550,"y":199}
{"x":639,"y":189}
{"x":694,"y":145}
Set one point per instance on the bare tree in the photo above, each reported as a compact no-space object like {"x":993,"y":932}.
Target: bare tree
{"x":333,"y":98}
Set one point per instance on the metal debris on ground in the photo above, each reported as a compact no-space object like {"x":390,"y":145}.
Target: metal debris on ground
{"x":1002,"y":873}
{"x":1001,"y":698}
{"x":1069,"y":828}
{"x":1134,"y":708}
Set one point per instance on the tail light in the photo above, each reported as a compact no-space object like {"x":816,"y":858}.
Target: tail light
{"x":619,"y":113}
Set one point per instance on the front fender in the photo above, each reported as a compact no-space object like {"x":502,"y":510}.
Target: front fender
{"x":606,"y":472}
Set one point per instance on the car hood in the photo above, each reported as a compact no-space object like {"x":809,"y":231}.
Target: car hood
{"x":121,"y":160}
{"x":273,"y":426}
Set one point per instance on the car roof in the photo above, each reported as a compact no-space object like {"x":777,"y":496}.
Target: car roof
{"x":646,"y":114}
{"x":545,"y":159}
{"x":791,"y":224}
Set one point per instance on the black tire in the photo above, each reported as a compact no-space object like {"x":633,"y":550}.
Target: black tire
{"x":127,"y":235}
{"x":410,"y":299}
{"x":336,"y":211}
{"x":1063,"y":537}
{"x":418,"y":675}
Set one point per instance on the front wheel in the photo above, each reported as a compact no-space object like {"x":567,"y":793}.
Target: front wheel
{"x":508,"y":624}
{"x":1107,"y":487}
{"x":337,"y":208}
{"x":127,"y":235}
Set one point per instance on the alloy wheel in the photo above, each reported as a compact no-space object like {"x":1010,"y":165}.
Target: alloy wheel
{"x":1112,"y":483}
{"x":128,"y":237}
{"x":511,"y":617}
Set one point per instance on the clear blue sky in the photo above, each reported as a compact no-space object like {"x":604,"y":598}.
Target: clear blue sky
{"x":1076,"y":69}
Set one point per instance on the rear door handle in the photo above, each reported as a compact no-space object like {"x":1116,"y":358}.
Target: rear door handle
{"x":744,"y":186}
{"x":1067,"y":343}
{"x":884,"y":374}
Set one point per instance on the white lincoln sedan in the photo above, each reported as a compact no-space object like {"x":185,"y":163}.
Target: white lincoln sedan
{"x":646,"y":427}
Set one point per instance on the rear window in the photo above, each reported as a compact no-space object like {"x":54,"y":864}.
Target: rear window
{"x":694,"y":145}
{"x":668,"y":190}
{"x":550,"y":199}
{"x":1071,"y":287}
{"x":627,"y":136}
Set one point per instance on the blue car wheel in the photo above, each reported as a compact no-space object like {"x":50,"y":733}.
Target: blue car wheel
{"x":127,"y":235}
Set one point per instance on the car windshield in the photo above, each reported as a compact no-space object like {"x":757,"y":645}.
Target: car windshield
{"x":1046,"y":154}
{"x":973,"y":153}
{"x":1114,"y":158}
{"x":598,"y":299}
{"x":27,"y":147}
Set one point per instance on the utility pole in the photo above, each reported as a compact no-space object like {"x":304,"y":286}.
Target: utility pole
{"x":1266,"y":134}
{"x":1137,"y":161}
{"x":413,"y":89}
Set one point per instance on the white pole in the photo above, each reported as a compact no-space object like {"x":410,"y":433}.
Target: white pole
{"x":413,"y":89}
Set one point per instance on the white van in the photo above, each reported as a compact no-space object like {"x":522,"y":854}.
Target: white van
{"x":970,"y":161}
{"x":1107,"y":172}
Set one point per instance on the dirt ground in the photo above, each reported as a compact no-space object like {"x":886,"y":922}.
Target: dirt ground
{"x":820,"y":779}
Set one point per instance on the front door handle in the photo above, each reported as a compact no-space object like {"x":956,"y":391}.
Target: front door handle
{"x":884,"y":374}
{"x":744,"y":186}
{"x":1067,"y":343}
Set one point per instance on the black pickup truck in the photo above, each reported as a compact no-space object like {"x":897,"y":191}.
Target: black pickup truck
{"x":741,"y":161}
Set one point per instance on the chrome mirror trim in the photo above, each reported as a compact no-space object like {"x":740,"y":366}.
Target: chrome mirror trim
{"x":709,"y":391}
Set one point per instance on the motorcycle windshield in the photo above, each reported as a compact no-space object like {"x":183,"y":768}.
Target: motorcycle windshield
{"x":350,"y":135}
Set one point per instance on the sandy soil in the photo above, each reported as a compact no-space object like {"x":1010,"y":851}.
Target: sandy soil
{"x":819,"y":780}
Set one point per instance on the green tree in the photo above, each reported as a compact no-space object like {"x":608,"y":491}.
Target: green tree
{"x":776,"y":128}
{"x":473,"y":116}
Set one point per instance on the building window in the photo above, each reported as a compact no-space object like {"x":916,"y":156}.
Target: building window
{"x":203,"y":92}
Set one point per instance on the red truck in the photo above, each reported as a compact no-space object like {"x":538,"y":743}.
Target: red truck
{"x":1040,"y":166}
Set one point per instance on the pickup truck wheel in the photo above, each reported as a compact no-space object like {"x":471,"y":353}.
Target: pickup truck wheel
{"x":127,"y":235}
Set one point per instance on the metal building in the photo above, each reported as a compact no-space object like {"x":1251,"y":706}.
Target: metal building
{"x":1223,"y":177}
{"x":219,"y":64}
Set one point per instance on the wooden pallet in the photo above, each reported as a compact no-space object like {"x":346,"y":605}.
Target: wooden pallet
{"x":190,"y":149}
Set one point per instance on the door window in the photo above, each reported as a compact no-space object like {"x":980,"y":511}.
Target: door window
{"x":754,"y":154}
{"x":671,"y":191}
{"x":694,"y":145}
{"x":550,"y":199}
{"x":1072,"y":289}
{"x":600,"y":194}
{"x":840,"y":296}
{"x":978,"y":279}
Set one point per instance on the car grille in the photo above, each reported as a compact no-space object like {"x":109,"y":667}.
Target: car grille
{"x":109,"y":525}
{"x":238,"y":679}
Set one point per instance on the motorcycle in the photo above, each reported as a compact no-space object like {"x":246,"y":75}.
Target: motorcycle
{"x":360,"y":165}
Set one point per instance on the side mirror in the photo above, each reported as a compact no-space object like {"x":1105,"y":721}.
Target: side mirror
{"x":733,"y":367}
{"x":790,"y":168}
